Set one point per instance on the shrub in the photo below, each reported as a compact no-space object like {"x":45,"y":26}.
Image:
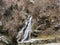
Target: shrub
{"x":8,"y":11}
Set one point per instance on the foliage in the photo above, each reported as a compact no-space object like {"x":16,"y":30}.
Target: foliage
{"x":0,"y":2}
{"x":1,"y":28}
{"x":16,"y":6}
{"x":8,"y":11}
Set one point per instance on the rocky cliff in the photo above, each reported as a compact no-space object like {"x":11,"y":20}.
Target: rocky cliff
{"x":45,"y":19}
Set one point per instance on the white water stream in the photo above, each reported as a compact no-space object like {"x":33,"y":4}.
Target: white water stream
{"x":27,"y":29}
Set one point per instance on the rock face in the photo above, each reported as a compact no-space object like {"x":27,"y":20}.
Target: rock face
{"x":45,"y":18}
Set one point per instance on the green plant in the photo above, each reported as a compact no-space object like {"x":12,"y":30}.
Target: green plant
{"x":46,"y":20}
{"x":3,"y":32}
{"x":18,"y":0}
{"x":8,"y":11}
{"x":1,"y":28}
{"x":16,"y":6}
{"x":0,"y":2}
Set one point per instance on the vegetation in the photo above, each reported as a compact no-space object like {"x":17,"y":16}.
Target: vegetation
{"x":8,"y":11}
{"x":45,"y":19}
{"x":0,"y":2}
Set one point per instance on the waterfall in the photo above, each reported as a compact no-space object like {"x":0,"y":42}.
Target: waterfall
{"x":25,"y":32}
{"x":28,"y":29}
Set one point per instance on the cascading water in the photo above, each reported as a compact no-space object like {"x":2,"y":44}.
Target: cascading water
{"x":27,"y":29}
